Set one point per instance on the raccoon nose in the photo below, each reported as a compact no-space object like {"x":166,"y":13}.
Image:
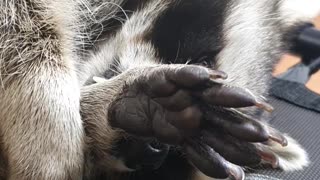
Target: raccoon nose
{"x":151,"y":157}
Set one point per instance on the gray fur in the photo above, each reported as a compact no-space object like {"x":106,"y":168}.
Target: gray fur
{"x":41,"y":128}
{"x":44,"y":67}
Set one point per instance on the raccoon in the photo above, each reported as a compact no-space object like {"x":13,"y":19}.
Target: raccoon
{"x":57,"y":124}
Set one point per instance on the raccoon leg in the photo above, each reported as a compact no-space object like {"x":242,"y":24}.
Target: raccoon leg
{"x":41,"y":129}
{"x":127,"y":49}
{"x":134,"y":52}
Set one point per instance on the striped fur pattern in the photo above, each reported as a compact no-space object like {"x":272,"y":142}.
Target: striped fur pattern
{"x":53,"y":122}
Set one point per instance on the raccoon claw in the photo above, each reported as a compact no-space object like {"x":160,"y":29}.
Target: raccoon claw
{"x":211,"y":163}
{"x":277,"y":137}
{"x":190,"y":76}
{"x":268,"y":157}
{"x":231,"y":96}
{"x":199,"y":82}
{"x":239,"y":152}
{"x":243,"y":127}
{"x":263,"y":105}
{"x":236,"y":172}
{"x":237,"y":125}
{"x":232,"y":149}
{"x":215,"y":74}
{"x":165,"y":81}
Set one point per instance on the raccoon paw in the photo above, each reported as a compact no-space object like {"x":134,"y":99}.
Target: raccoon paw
{"x":185,"y":105}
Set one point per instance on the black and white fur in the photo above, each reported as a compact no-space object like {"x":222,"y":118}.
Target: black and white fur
{"x":49,"y":51}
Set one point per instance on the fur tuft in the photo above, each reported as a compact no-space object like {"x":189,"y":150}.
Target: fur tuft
{"x":299,"y":10}
{"x":292,"y":157}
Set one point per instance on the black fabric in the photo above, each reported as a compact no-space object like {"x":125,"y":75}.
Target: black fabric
{"x":304,"y":126}
{"x":295,"y":93}
{"x":297,"y":112}
{"x":260,"y":177}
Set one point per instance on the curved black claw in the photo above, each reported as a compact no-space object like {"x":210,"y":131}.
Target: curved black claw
{"x":211,"y":163}
{"x":237,"y":124}
{"x":239,"y":152}
{"x":268,"y":157}
{"x":277,"y":137}
{"x":232,"y":149}
{"x":230,"y":96}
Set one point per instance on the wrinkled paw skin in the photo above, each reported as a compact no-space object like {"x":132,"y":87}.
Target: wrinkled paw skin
{"x":185,"y":105}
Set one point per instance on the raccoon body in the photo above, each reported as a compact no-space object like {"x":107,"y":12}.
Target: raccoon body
{"x":242,"y":38}
{"x":54,"y":120}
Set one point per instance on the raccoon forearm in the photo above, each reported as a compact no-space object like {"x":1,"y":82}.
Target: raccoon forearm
{"x":95,"y":101}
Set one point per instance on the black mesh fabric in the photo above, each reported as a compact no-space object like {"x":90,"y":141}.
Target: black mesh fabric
{"x":304,"y":126}
{"x":295,"y":93}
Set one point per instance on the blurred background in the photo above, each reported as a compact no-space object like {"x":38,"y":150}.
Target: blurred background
{"x":289,"y":61}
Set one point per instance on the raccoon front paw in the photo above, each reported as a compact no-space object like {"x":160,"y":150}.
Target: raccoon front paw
{"x":184,"y":105}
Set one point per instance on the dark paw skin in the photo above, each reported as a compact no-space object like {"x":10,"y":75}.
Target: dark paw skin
{"x":138,"y":153}
{"x":185,"y":105}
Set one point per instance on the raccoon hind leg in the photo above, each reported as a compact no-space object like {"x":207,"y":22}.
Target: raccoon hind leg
{"x":41,"y":128}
